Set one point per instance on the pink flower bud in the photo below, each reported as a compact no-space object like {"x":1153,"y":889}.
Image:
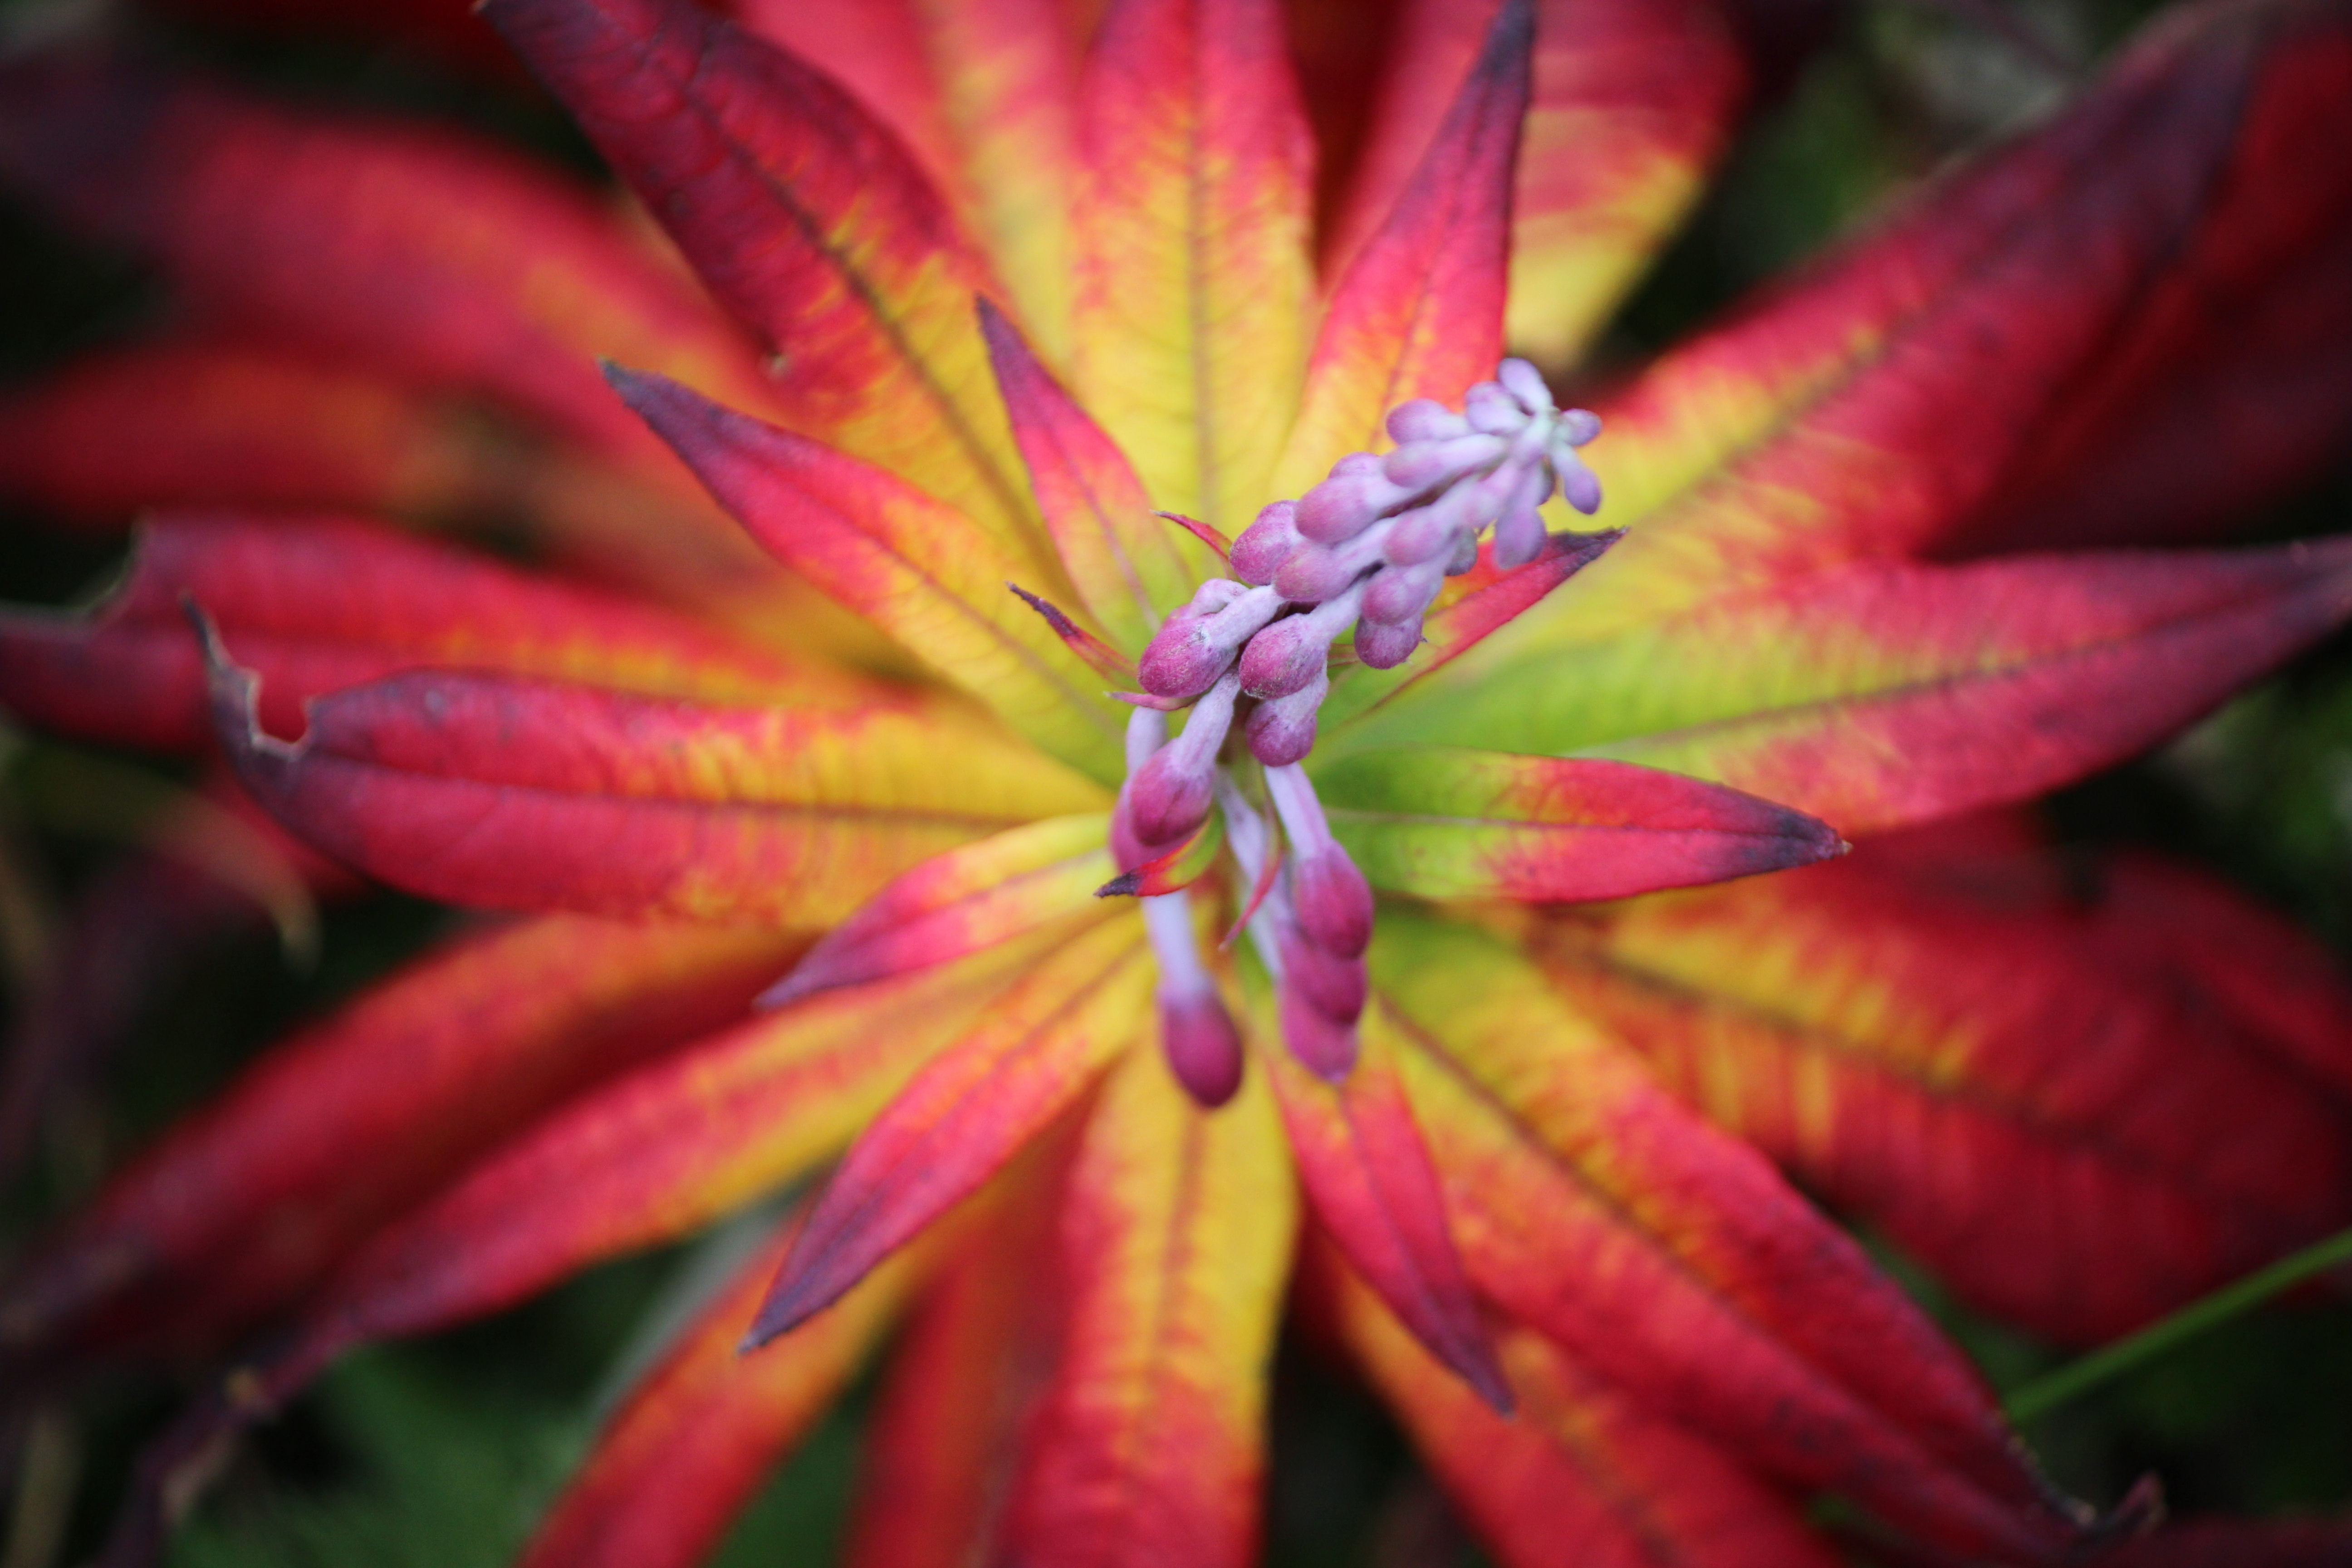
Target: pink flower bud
{"x":1400,"y":594}
{"x":1267,"y":543}
{"x":1578,"y":425}
{"x":1526,"y":382}
{"x":1167,"y":801}
{"x":1466,"y":553}
{"x":1424,"y":465}
{"x":1519,"y":531}
{"x":1321,"y":1044}
{"x":1332,"y":985}
{"x":1202,"y":1047}
{"x":1491,"y":409}
{"x":1428,"y":533}
{"x":1333,"y":900}
{"x":1344,"y":505}
{"x":1283,"y":659}
{"x":1381,"y":646}
{"x":1283,"y":731}
{"x":1582,"y":486}
{"x":1189,"y":652}
{"x":1425,"y":419}
{"x":1316,"y":573}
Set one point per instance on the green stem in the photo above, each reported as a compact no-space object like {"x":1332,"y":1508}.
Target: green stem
{"x":2045,"y":1393}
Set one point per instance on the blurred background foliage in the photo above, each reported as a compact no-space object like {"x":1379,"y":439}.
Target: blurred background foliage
{"x":439,"y":1453}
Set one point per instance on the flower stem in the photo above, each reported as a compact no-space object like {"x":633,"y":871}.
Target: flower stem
{"x":2045,"y":1393}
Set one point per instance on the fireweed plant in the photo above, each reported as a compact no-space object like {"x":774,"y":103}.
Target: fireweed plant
{"x":1208,"y":866}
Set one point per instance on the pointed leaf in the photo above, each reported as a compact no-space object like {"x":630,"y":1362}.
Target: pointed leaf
{"x":700,"y":1433}
{"x":1127,"y":562}
{"x":966,"y":1113}
{"x":957,"y":903}
{"x":1442,"y":824}
{"x":1369,"y":1183}
{"x":513,"y":793}
{"x":1175,"y":1247}
{"x":321,"y":603}
{"x":440,"y":258}
{"x":211,"y":423}
{"x":1470,"y":609}
{"x":985,"y":94}
{"x":808,"y":220}
{"x":1419,"y":311}
{"x":249,"y":1203}
{"x":940,"y":1443}
{"x":2013,"y":1046}
{"x":1878,"y":402}
{"x":1598,"y":1210}
{"x":663,"y":1151}
{"x":1585,"y":1473}
{"x":1877,"y":694}
{"x":920,"y":570}
{"x":1192,"y":231}
{"x":1633,"y":101}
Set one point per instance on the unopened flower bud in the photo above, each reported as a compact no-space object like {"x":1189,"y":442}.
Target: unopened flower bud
{"x":1199,"y":642}
{"x":1333,"y":900}
{"x":1426,"y":464}
{"x":1349,"y":502}
{"x":1578,"y":425}
{"x":1400,"y":594}
{"x":1466,"y":554}
{"x":1267,"y":543}
{"x":1425,"y":419}
{"x":1491,"y":409}
{"x":1519,"y":531}
{"x":1286,"y":655}
{"x":1202,"y":1047}
{"x":1526,"y":382}
{"x":1582,"y":486}
{"x":1319,"y":1042}
{"x":1168,"y":797}
{"x":1381,"y":646}
{"x":1334,"y":987}
{"x":1282,"y":730}
{"x":1318,"y":571}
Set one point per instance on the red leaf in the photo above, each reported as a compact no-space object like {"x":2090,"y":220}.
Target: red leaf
{"x":1419,"y":311}
{"x":2015,"y":1047}
{"x":513,"y":792}
{"x":1371,"y":1184}
{"x":964,"y":1115}
{"x":211,"y":423}
{"x":1126,"y":564}
{"x":808,"y":219}
{"x":1442,"y":824}
{"x":1191,"y":228}
{"x":957,"y":903}
{"x":940,"y":1443}
{"x":439,"y":257}
{"x":1881,"y":399}
{"x":1598,"y":1210}
{"x":702,"y":1431}
{"x":1585,"y":1473}
{"x":658,"y":1153}
{"x":247,"y":1204}
{"x":1176,"y":1235}
{"x":321,"y":603}
{"x":1632,"y":101}
{"x":2230,"y":383}
{"x":1876,"y":694}
{"x":923,"y":572}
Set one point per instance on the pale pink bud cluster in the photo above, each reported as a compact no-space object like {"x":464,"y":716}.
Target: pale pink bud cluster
{"x":1369,"y":547}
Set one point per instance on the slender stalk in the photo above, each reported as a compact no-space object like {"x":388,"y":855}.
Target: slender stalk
{"x":2045,"y":1393}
